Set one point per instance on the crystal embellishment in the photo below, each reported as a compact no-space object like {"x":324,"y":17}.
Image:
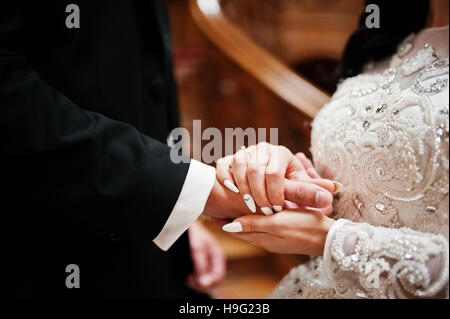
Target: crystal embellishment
{"x":423,"y":58}
{"x":380,"y":207}
{"x":388,"y":78}
{"x":430,"y":209}
{"x":357,"y":202}
{"x":381,"y":108}
{"x":438,"y":67}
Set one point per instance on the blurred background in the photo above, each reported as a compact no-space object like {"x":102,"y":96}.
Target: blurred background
{"x":261,"y":64}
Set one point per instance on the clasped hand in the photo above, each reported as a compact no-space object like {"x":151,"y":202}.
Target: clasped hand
{"x":269,"y":180}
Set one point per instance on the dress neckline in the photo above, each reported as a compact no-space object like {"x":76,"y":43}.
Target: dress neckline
{"x":433,"y":30}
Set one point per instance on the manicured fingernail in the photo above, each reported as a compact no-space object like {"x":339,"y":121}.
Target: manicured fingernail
{"x":320,"y":197}
{"x":234,"y":227}
{"x":231,"y":186}
{"x":250,"y":202}
{"x":278,"y":208}
{"x":266,"y":210}
{"x":337,"y":187}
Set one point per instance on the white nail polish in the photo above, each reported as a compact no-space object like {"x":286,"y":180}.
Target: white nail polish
{"x":250,"y":202}
{"x":235,"y":227}
{"x":266,"y":210}
{"x":231,"y":186}
{"x":337,"y":187}
{"x":277,"y":208}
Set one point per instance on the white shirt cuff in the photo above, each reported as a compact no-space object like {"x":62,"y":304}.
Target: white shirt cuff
{"x":190,"y":204}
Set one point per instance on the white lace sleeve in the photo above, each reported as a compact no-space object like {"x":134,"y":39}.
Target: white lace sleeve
{"x":381,"y":262}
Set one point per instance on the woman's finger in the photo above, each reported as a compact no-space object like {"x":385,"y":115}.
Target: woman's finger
{"x":256,"y":168}
{"x":259,"y":239}
{"x":250,"y":224}
{"x":307,"y":209}
{"x":275,"y":175}
{"x":307,"y":194}
{"x":224,"y":175}
{"x":306,"y":162}
{"x":309,"y":167}
{"x":239,"y":169}
{"x":296,"y":170}
{"x":333,"y":187}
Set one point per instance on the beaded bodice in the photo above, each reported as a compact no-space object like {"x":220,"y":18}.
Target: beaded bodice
{"x":385,"y":136}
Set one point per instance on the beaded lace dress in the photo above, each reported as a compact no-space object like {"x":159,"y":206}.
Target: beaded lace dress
{"x":385,"y":136}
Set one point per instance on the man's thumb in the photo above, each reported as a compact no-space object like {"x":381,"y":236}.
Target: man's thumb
{"x":307,"y":194}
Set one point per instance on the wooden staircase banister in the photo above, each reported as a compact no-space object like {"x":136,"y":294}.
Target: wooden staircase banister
{"x":265,"y":67}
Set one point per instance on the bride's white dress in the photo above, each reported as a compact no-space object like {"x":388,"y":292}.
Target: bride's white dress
{"x":385,"y":136}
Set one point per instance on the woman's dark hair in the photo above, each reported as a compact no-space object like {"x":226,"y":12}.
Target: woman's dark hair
{"x":398,"y":19}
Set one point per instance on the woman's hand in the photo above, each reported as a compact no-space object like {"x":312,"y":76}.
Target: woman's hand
{"x":288,"y":232}
{"x":263,"y":175}
{"x":208,"y":258}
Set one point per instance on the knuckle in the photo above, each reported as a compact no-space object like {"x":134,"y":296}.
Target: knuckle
{"x":244,"y":223}
{"x":254,"y":169}
{"x":227,"y":160}
{"x":240,"y":157}
{"x":235,"y":159}
{"x":274,"y":173}
{"x":299,"y":195}
{"x":283,"y":149}
{"x":251,"y":227}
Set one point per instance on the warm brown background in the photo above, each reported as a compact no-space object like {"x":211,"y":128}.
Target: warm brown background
{"x":309,"y":35}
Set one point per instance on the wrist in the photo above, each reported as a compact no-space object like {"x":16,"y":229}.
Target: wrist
{"x":327,"y":224}
{"x":211,"y":206}
{"x":223,"y":203}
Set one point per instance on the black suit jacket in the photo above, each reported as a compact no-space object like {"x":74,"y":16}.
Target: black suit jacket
{"x":86,"y":174}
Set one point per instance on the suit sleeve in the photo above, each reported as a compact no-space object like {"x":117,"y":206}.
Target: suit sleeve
{"x":53,"y":151}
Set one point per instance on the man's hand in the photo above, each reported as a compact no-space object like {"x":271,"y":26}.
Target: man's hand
{"x":208,"y":258}
{"x":224,"y":204}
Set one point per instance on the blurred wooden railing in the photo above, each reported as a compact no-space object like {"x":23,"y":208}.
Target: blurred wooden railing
{"x":265,"y":67}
